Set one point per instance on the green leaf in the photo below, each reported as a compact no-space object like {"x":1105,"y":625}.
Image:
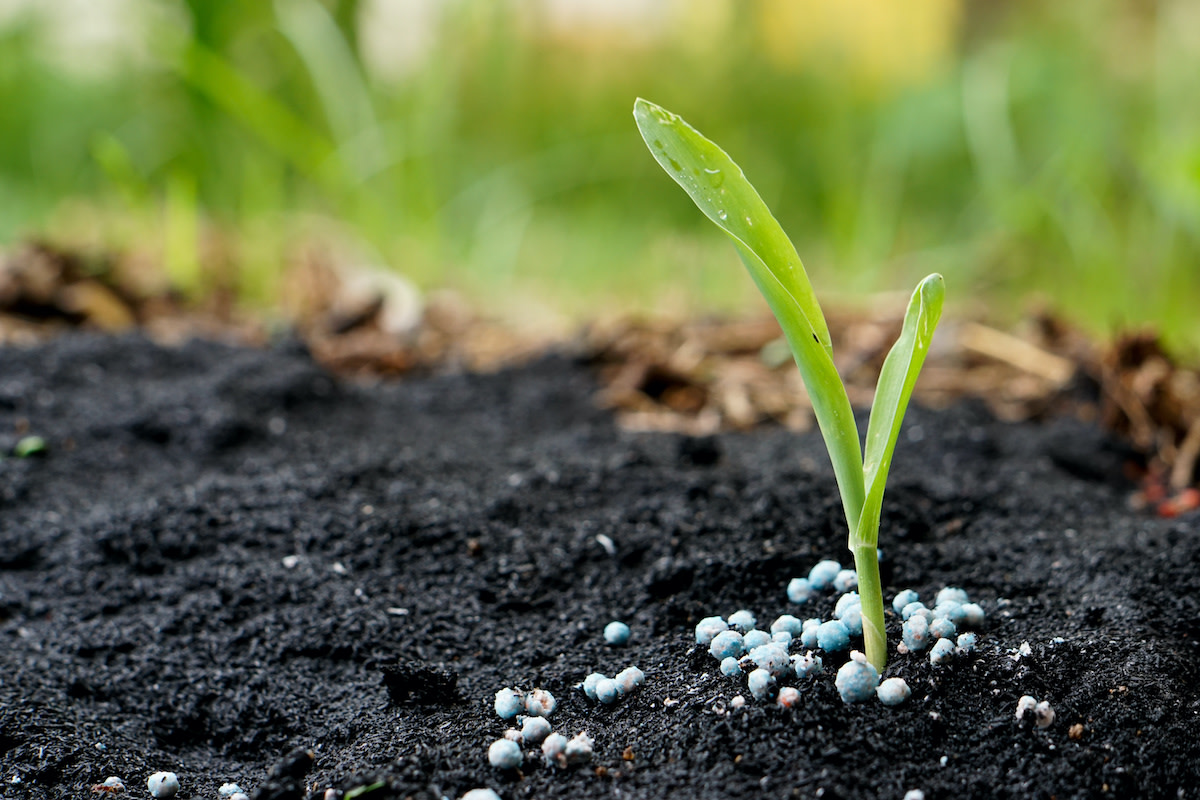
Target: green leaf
{"x":896,"y":381}
{"x":359,"y":791}
{"x":719,"y":189}
{"x":29,"y":446}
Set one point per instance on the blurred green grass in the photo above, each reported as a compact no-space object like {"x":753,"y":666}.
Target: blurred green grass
{"x":1035,"y":154}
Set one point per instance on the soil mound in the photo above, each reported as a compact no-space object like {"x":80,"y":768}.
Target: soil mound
{"x":226,"y":560}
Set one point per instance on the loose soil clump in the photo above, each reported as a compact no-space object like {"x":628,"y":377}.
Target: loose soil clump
{"x":232,"y":565}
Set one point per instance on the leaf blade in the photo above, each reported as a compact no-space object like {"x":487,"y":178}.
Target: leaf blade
{"x":773,"y":264}
{"x":720,"y":190}
{"x":892,"y":393}
{"x":831,"y":405}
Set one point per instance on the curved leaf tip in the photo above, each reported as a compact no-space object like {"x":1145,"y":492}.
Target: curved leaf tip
{"x":931,"y":291}
{"x":719,"y":188}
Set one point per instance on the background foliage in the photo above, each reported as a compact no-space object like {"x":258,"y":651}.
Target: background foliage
{"x":1032,"y":152}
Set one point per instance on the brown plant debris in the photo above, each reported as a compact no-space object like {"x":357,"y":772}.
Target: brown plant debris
{"x":700,"y":377}
{"x":693,"y":377}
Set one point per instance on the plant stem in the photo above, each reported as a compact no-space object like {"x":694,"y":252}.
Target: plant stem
{"x":870,"y":592}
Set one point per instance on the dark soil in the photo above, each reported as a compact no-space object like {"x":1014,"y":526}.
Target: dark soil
{"x":227,"y":555}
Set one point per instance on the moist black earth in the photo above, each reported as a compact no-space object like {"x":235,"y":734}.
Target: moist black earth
{"x":227,"y":557}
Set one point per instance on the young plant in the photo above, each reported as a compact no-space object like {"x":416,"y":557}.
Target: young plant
{"x":720,"y":190}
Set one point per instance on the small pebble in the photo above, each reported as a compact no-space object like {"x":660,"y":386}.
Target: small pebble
{"x":754,"y":638}
{"x":807,"y":664}
{"x":163,"y":785}
{"x":942,"y":652}
{"x":902,"y":599}
{"x":730,"y":667}
{"x":950,"y":610}
{"x":773,"y":658}
{"x":789,"y":697}
{"x":607,"y":691}
{"x":742,"y":621}
{"x":617,"y":633}
{"x":629,"y":680}
{"x":480,"y":794}
{"x":761,"y":683}
{"x":726,"y":644}
{"x":709,"y":627}
{"x":737,"y":702}
{"x":540,"y":703}
{"x":833,"y":636}
{"x":914,"y":794}
{"x":590,"y":682}
{"x":115,"y":784}
{"x":505,"y":754}
{"x":229,"y":789}
{"x":916,"y":633}
{"x":787,"y":624}
{"x":798,"y":590}
{"x":808,"y":634}
{"x":974,"y":615}
{"x":966,"y":643}
{"x":916,"y":609}
{"x":951,"y":594}
{"x":845,"y":602}
{"x":579,"y":749}
{"x":534,"y":730}
{"x":856,"y":680}
{"x":508,"y":703}
{"x":553,"y":748}
{"x":893,"y":691}
{"x":1043,"y":714}
{"x":852,"y":619}
{"x":943,"y":628}
{"x":845,"y":580}
{"x":822,"y":575}
{"x":514,"y":735}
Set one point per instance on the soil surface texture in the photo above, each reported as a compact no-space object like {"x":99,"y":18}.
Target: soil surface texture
{"x":226,"y":560}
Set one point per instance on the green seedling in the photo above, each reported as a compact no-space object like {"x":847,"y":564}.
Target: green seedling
{"x":359,"y":791}
{"x":29,"y":446}
{"x":719,"y":189}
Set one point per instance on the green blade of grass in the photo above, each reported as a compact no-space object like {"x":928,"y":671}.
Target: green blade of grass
{"x":337,"y":79}
{"x":286,"y":133}
{"x":719,"y":189}
{"x":896,"y":381}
